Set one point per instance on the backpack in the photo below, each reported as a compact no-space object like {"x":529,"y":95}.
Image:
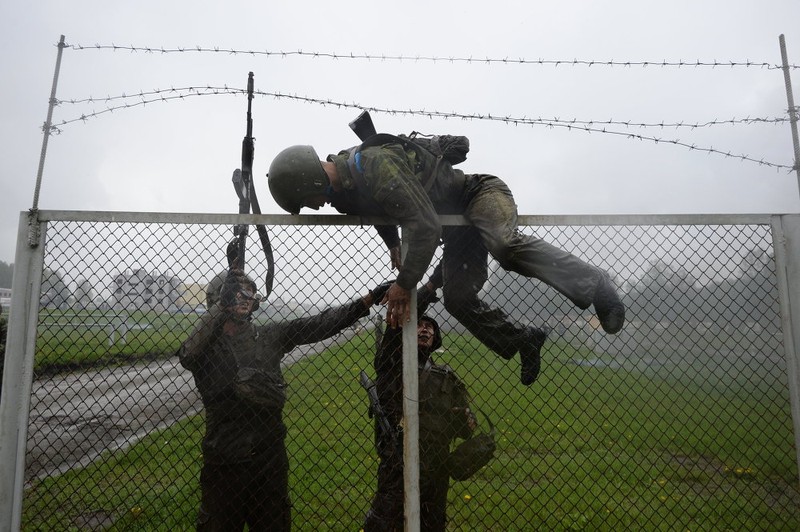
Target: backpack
{"x":451,"y":148}
{"x":471,"y":454}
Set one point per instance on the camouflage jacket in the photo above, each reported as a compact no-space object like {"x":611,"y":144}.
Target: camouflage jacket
{"x":442,"y":400}
{"x":407,"y":185}
{"x":240,"y":380}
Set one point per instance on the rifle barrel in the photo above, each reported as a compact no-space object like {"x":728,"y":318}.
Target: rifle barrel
{"x":246,"y":174}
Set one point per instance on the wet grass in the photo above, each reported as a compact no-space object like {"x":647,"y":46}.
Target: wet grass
{"x":587,"y":447}
{"x":69,"y":340}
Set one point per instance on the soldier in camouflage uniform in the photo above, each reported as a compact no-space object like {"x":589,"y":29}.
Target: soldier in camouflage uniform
{"x":236,"y":366}
{"x":444,"y":415}
{"x":411,"y":185}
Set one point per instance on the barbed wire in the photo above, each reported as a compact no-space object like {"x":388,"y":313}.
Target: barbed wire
{"x":434,"y":59}
{"x":231,"y":90}
{"x":171,"y":94}
{"x":591,"y":126}
{"x":141,"y":94}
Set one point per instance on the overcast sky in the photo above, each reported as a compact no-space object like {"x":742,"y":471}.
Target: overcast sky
{"x":178,"y":155}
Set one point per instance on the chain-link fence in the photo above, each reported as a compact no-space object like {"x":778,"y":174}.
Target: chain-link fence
{"x":681,"y":421}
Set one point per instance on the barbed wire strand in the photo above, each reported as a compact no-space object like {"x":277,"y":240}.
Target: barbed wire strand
{"x":433,"y":59}
{"x":587,"y":126}
{"x":229,"y":90}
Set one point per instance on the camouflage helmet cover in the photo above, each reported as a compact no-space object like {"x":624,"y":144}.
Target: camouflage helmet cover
{"x":295,"y":174}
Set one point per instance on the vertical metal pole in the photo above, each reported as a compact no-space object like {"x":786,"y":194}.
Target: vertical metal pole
{"x":792,"y":109}
{"x":411,"y":416}
{"x":786,"y":243}
{"x":33,"y":238}
{"x":15,"y":401}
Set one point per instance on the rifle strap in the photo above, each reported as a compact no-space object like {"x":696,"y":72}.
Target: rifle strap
{"x":263,"y":236}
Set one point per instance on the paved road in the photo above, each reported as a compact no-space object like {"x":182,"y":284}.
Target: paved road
{"x":77,"y":417}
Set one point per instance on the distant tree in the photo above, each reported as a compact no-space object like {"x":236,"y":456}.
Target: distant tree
{"x":84,"y":293}
{"x":55,"y":292}
{"x":747,"y":294}
{"x":6,"y":272}
{"x":665,"y":292}
{"x":754,"y":293}
{"x":525,"y":299}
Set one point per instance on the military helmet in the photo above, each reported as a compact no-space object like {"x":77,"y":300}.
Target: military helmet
{"x":437,"y":333}
{"x":214,"y":288}
{"x":295,"y":174}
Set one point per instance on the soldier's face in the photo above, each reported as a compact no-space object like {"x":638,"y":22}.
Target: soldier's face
{"x":425,"y":332}
{"x":245,"y":299}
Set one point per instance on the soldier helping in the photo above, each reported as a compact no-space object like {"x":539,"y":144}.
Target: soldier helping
{"x":236,"y":367}
{"x":394,"y":177}
{"x":444,"y":415}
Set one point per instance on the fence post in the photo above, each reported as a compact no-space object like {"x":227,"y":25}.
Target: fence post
{"x":118,"y":327}
{"x":411,"y":416}
{"x":33,"y":238}
{"x":786,"y":242}
{"x":15,"y":401}
{"x":792,"y":110}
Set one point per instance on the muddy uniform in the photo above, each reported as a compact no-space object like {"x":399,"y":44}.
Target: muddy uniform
{"x":391,"y":181}
{"x":440,"y":391}
{"x":245,"y":468}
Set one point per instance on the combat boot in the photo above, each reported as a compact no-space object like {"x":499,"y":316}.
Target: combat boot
{"x":608,"y":306}
{"x":530,"y":354}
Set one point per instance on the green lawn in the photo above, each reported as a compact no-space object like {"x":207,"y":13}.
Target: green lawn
{"x":67,"y":339}
{"x":587,"y":447}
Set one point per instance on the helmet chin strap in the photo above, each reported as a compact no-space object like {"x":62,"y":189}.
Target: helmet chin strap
{"x":240,"y":319}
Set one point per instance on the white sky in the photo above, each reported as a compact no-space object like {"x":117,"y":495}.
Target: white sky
{"x":178,"y":156}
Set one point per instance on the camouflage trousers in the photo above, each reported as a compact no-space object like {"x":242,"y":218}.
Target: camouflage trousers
{"x":493,"y":216}
{"x":387,"y":512}
{"x":253,"y":493}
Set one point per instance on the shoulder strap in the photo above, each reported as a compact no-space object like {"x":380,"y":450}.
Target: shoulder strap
{"x":265,"y":244}
{"x":383,"y":138}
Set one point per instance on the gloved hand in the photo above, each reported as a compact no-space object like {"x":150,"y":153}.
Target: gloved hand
{"x":425,"y":297}
{"x":234,"y":282}
{"x":379,"y":291}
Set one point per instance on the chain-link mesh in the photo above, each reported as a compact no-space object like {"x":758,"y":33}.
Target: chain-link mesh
{"x":680,"y":421}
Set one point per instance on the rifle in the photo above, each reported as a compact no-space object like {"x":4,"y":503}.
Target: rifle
{"x":243,"y":184}
{"x":375,"y":409}
{"x":363,"y":126}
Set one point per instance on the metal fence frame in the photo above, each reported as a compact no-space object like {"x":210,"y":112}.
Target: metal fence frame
{"x":15,"y":401}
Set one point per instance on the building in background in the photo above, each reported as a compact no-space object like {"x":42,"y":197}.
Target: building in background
{"x":140,"y":290}
{"x":5,"y":298}
{"x":194,"y":296}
